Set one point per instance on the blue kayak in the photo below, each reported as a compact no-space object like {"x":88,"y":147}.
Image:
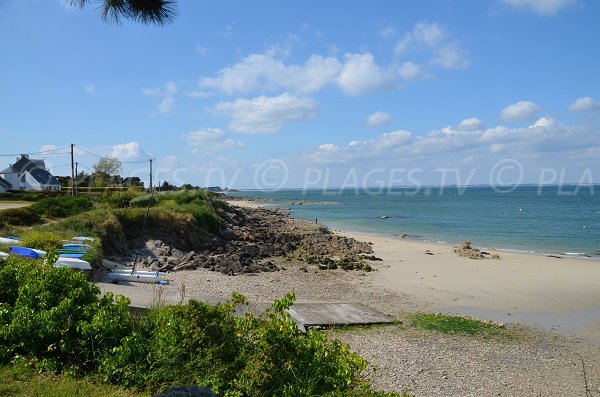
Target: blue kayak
{"x":22,"y":251}
{"x":72,"y":255}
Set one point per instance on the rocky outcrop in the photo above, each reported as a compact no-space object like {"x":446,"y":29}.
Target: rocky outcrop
{"x":465,"y":249}
{"x":251,"y":237}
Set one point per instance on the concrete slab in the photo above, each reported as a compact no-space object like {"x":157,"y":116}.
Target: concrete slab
{"x":306,"y":315}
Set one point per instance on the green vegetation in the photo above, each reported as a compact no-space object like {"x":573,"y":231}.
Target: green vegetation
{"x":457,"y":325}
{"x":18,"y":380}
{"x":61,"y":207}
{"x":52,"y":319}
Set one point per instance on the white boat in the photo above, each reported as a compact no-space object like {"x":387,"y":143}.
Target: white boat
{"x":3,"y":255}
{"x":81,"y":238}
{"x":140,"y":272}
{"x":11,"y":241}
{"x":136,"y":277}
{"x":73,"y":263}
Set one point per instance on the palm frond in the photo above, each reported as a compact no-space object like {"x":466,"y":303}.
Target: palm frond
{"x":158,"y":12}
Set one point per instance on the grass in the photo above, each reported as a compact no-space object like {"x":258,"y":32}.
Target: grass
{"x":460,"y":325}
{"x":19,"y":381}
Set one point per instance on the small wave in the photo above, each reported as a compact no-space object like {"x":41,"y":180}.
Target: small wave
{"x":517,"y":251}
{"x":575,"y":253}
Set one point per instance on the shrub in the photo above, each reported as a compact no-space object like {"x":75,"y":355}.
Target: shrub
{"x":54,"y":318}
{"x":42,"y":239}
{"x":119,"y":199}
{"x":62,"y":207}
{"x":23,"y":216}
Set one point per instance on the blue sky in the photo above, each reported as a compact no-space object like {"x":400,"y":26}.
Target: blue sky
{"x":270,"y":94}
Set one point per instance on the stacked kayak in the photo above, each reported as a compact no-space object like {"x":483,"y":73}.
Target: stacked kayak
{"x":70,"y":250}
{"x":27,"y":252}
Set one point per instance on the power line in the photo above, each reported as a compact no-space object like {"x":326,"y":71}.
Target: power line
{"x":122,"y":162}
{"x":47,"y":152}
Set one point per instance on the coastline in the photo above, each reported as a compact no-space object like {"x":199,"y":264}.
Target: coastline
{"x":561,"y":295}
{"x":529,"y":361}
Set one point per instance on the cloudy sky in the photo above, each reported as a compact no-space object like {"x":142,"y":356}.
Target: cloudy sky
{"x":269,"y":94}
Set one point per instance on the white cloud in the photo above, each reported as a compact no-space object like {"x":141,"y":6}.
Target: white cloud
{"x":543,"y":137}
{"x":520,"y":111}
{"x":170,"y":87}
{"x":128,"y":151}
{"x":166,"y":104}
{"x":209,"y":140}
{"x":264,"y":72}
{"x":387,"y":32}
{"x":378,"y":119}
{"x":542,"y":7}
{"x":383,"y":145}
{"x":150,"y":91}
{"x":48,"y":148}
{"x":202,"y":50}
{"x":410,"y":71}
{"x":361,"y":75}
{"x":433,"y":39}
{"x":470,"y":124}
{"x":584,"y":104}
{"x":266,"y":114}
{"x":451,"y":56}
{"x":88,"y":88}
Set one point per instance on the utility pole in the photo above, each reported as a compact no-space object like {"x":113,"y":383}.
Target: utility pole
{"x":150,"y":176}
{"x":72,"y":172}
{"x":76,"y":184}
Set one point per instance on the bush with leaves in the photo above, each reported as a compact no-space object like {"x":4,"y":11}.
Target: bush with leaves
{"x":62,"y":207}
{"x":54,"y":318}
{"x":24,"y":216}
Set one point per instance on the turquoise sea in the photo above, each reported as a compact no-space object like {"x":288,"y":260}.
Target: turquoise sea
{"x":541,"y":219}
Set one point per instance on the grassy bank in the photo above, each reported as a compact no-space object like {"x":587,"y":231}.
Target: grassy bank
{"x":18,"y":380}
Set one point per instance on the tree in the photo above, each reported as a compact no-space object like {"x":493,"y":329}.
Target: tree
{"x":108,"y":165}
{"x":157,"y":12}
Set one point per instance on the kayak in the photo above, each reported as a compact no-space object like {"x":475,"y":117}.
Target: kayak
{"x":73,"y":263}
{"x":71,"y":255}
{"x":80,"y":238}
{"x":7,"y":240}
{"x":79,"y":247}
{"x":135,"y":277}
{"x":3,"y":255}
{"x":140,"y":272}
{"x":27,"y":252}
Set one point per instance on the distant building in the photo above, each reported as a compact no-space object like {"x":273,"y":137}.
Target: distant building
{"x":27,"y":174}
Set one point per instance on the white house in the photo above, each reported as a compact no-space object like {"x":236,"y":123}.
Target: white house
{"x":28,"y":174}
{"x":4,"y":185}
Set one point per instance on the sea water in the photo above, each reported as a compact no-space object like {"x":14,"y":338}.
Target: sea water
{"x":561,"y":220}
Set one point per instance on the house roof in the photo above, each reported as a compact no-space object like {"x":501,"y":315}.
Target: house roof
{"x":25,"y":164}
{"x":4,"y":182}
{"x":37,"y":169}
{"x":44,"y":177}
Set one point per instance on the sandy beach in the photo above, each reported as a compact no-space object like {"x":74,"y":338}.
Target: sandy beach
{"x":561,"y":294}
